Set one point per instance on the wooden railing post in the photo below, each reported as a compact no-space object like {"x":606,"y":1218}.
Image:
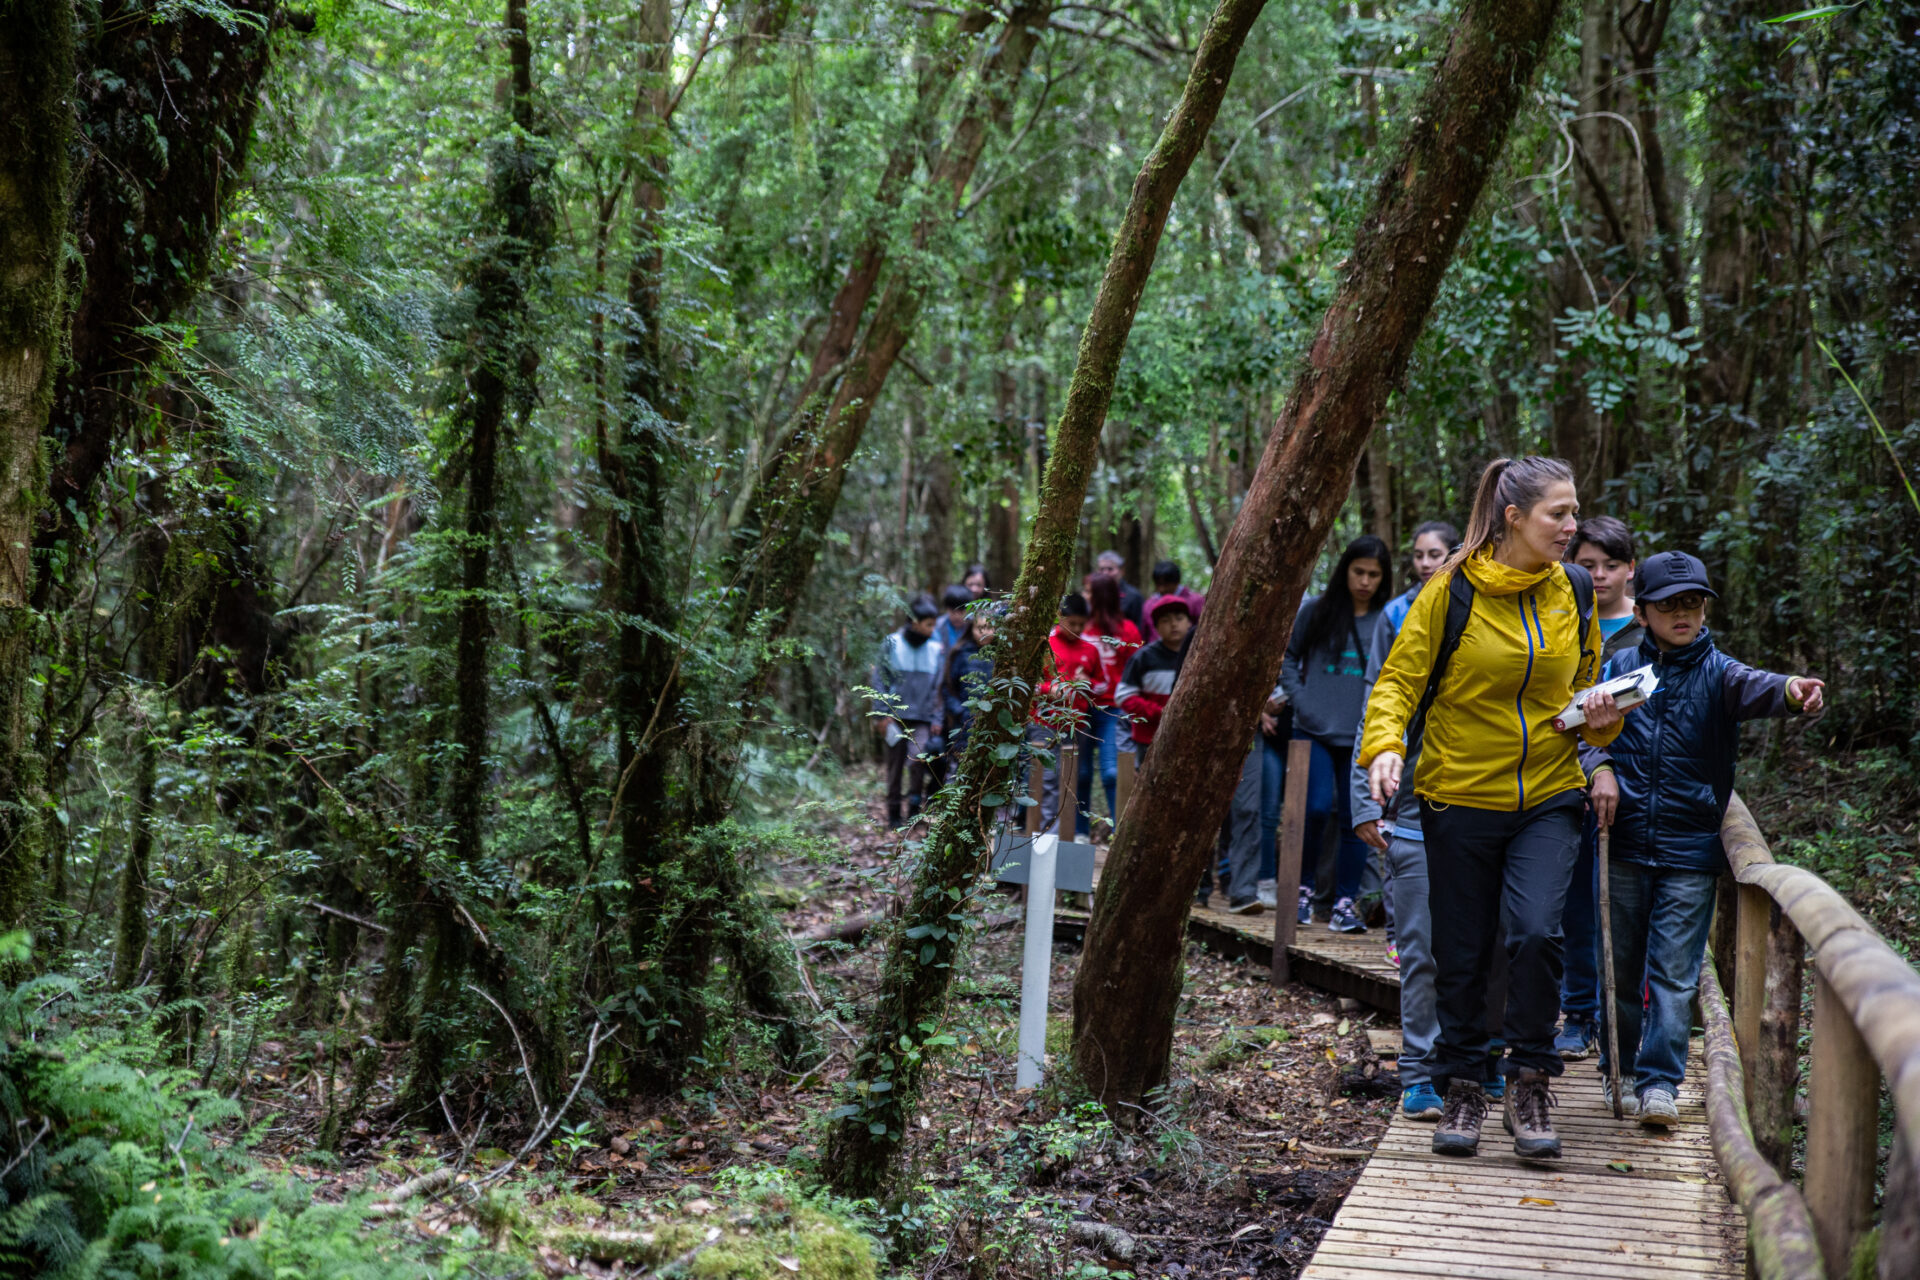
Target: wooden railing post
{"x":1293,"y":839}
{"x":1774,"y":1081}
{"x":1843,"y":1131}
{"x":1754,"y":911}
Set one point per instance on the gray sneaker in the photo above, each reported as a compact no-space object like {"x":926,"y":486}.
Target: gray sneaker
{"x":1461,"y":1116}
{"x":1528,"y":1118}
{"x":1657,"y":1107}
{"x":1268,"y":892}
{"x":1629,"y":1105}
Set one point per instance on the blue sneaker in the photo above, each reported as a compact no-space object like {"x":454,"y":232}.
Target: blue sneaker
{"x":1497,"y":1087}
{"x":1346,"y":919}
{"x":1420,"y":1102}
{"x":1576,"y":1040}
{"x":1306,"y":905}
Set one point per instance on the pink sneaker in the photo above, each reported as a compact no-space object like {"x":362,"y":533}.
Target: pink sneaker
{"x":1393,"y":953}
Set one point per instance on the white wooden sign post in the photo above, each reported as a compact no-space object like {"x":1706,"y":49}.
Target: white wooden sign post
{"x":1036,"y":966}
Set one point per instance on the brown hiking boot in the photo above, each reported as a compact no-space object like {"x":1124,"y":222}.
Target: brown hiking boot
{"x":1527,"y":1116}
{"x":1464,"y":1111}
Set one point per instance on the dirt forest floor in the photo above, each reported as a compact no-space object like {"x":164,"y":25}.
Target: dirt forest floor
{"x":1276,"y":1101}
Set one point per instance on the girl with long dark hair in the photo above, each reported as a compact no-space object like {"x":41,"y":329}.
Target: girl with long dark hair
{"x":1324,"y":677}
{"x":1501,"y":791}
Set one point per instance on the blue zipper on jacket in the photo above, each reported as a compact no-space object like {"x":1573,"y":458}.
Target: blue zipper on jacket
{"x":1519,"y":702}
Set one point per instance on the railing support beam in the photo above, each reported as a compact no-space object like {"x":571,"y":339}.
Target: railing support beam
{"x":1843,"y":1128}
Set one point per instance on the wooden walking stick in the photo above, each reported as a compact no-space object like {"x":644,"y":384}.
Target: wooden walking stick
{"x":1606,"y":980}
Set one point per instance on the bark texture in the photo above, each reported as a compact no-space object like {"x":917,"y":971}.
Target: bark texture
{"x":36,"y":134}
{"x":1129,"y":978}
{"x":923,"y":946}
{"x":147,"y":210}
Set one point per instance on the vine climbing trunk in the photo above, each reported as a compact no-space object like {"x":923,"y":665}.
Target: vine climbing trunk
{"x":922,"y":948}
{"x":1129,"y":979}
{"x":36,"y":134}
{"x":498,"y":387}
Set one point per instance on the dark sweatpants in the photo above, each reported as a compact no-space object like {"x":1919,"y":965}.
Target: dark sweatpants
{"x":1489,"y":870}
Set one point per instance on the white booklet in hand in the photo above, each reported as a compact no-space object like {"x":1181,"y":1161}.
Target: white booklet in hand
{"x":1629,"y":690}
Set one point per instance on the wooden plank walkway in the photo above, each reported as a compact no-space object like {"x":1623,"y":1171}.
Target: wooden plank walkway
{"x":1497,"y":1217}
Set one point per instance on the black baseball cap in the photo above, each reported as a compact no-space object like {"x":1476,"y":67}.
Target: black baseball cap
{"x":1670,"y":573}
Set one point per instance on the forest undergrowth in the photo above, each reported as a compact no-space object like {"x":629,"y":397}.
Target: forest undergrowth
{"x":1277,"y":1098}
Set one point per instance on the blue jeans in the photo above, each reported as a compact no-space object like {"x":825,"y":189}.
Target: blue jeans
{"x":1102,"y":730}
{"x":1273,"y":785}
{"x":1580,"y":985}
{"x":1413,"y":925}
{"x":1660,"y":924}
{"x":1329,"y":797}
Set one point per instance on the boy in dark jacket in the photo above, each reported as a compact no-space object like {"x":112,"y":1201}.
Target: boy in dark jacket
{"x":1662,"y":788}
{"x":1147,"y":682}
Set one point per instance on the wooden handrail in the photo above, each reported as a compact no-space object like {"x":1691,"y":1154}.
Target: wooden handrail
{"x":1879,"y":991}
{"x":1780,"y":1237}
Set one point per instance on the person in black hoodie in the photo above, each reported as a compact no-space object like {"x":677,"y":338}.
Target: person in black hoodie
{"x":1324,"y":679}
{"x":968,"y":673}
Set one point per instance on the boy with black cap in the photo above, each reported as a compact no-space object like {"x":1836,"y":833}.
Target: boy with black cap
{"x":1662,"y":787}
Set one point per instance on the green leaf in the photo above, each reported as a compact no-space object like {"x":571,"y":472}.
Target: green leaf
{"x":1808,"y":15}
{"x":877,"y":1129}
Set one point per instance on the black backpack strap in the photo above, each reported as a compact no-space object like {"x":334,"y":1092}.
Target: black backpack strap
{"x":1459,"y":609}
{"x":1582,"y":583}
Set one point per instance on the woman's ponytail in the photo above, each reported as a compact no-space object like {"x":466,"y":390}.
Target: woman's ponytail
{"x":1507,"y":482}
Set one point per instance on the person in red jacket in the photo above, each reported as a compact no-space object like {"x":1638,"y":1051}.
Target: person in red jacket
{"x":1062,"y":710}
{"x":1119,"y":640}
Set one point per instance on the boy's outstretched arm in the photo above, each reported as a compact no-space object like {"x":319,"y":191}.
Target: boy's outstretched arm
{"x":1753,"y":694}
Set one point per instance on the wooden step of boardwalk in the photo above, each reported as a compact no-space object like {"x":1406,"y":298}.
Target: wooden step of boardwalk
{"x":1623,"y":1203}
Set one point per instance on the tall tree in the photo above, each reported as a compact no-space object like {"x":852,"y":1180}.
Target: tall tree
{"x":501,"y":360}
{"x":922,"y":950}
{"x":794,"y":505}
{"x":1129,"y":979}
{"x":36,"y":136}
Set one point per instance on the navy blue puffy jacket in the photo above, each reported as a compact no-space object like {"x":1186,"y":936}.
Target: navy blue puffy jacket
{"x":1674,"y":758}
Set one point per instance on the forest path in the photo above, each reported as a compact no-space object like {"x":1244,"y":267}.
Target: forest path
{"x":1625,"y":1202}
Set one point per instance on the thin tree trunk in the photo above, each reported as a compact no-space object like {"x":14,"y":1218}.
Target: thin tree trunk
{"x":36,"y":133}
{"x":1129,"y":978}
{"x":499,"y":384}
{"x":914,"y":981}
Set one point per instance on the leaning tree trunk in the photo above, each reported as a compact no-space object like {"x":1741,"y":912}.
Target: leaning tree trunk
{"x":792,"y":508}
{"x":499,"y":384}
{"x":926,"y":941}
{"x":1129,"y":978}
{"x":36,"y":132}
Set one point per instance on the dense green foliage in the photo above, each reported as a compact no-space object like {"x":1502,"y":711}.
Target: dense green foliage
{"x":1697,"y":276}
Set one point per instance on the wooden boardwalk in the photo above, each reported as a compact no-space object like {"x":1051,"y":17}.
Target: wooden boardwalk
{"x":1623,"y":1203}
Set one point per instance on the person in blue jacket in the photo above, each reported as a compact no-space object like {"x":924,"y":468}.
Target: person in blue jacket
{"x":1662,"y":788}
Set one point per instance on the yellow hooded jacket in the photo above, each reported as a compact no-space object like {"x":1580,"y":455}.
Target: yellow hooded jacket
{"x":1490,"y":741}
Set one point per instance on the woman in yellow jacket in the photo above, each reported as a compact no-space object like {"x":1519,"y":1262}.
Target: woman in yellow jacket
{"x":1501,"y":791}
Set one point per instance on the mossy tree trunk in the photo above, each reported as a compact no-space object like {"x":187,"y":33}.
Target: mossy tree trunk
{"x":1129,"y":979}
{"x":36,"y":136}
{"x":499,"y":387}
{"x":926,"y":940}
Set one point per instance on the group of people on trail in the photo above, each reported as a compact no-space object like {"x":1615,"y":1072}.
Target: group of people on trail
{"x":1491,"y":815}
{"x":1431,"y":722}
